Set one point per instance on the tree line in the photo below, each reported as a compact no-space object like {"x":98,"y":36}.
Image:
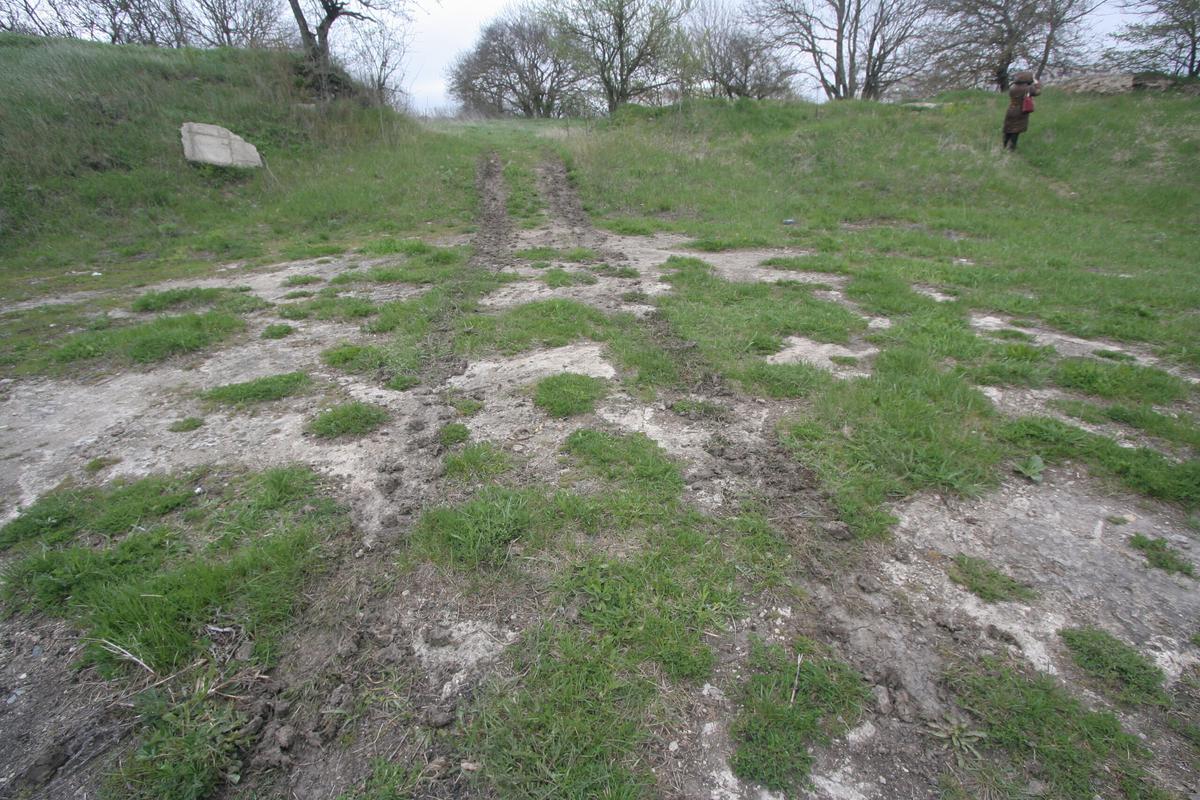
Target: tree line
{"x":580,"y":57}
{"x":571,"y":57}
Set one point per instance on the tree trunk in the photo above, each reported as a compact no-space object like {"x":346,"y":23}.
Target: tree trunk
{"x":306,"y":34}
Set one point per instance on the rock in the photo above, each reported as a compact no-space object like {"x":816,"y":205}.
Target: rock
{"x":789,"y":221}
{"x":285,"y":735}
{"x":212,"y":144}
{"x":417,"y":425}
{"x":45,"y":766}
{"x":883,"y":699}
{"x":869,"y":584}
{"x":836,"y":530}
{"x":438,"y":717}
{"x":439,"y":636}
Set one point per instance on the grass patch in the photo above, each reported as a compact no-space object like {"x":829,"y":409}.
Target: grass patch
{"x":453,"y":433}
{"x":277,"y":330}
{"x":100,"y":464}
{"x":355,"y":357}
{"x":701,"y":409}
{"x":260,"y":390}
{"x":1179,"y":429}
{"x":1077,"y":753}
{"x":558,"y":278}
{"x":1119,"y":381}
{"x":1123,"y":672}
{"x":465,"y":406}
{"x":344,"y":309}
{"x":185,"y":425}
{"x":569,"y":394}
{"x":476,"y":462}
{"x":348,"y":419}
{"x":1140,"y":469}
{"x":234,"y":301}
{"x":151,"y":341}
{"x":788,"y":705}
{"x":479,"y":532}
{"x":1160,"y":555}
{"x":632,"y":460}
{"x":986,"y":582}
{"x":302,"y":280}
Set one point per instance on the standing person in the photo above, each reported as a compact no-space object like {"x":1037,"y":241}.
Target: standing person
{"x":1020,"y":106}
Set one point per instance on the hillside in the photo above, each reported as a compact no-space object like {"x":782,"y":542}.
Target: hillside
{"x":724,"y":450}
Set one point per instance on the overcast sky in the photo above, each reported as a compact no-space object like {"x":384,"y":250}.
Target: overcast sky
{"x":442,"y":30}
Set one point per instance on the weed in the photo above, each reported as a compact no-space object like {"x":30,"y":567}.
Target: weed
{"x":479,"y":461}
{"x":1122,"y":670}
{"x":348,"y":419}
{"x":277,"y":330}
{"x":150,"y":341}
{"x":959,"y":737}
{"x":788,"y":705}
{"x":453,"y":433}
{"x":185,"y":425}
{"x":1032,"y":468}
{"x":1161,"y":555}
{"x":987,"y":582}
{"x":260,"y":390}
{"x":569,"y":394}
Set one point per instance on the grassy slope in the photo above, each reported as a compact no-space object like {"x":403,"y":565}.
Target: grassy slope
{"x":1102,"y":187}
{"x":92,"y":176}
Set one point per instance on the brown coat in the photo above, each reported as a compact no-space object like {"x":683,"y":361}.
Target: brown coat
{"x":1016,"y":120}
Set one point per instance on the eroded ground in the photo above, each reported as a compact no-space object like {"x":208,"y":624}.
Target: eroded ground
{"x":395,"y":671}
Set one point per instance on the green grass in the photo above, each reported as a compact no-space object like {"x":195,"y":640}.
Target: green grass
{"x":1119,"y":381}
{"x":558,"y":278}
{"x":986,"y":582}
{"x":1036,"y":725}
{"x":260,"y":390}
{"x":344,"y":309}
{"x":231,"y":300}
{"x":277,"y":330}
{"x":453,"y":433}
{"x":348,"y":419}
{"x":1179,"y":429}
{"x":479,"y":532}
{"x":100,"y":464}
{"x":791,"y":702}
{"x":569,"y":394}
{"x":388,"y":781}
{"x":1122,"y":671}
{"x":478,"y":461}
{"x":632,"y":460}
{"x":701,"y":409}
{"x":302,"y":280}
{"x":1160,"y":555}
{"x":185,"y":425}
{"x":148,"y":342}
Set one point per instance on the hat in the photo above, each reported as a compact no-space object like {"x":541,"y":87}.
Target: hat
{"x":1024,"y":76}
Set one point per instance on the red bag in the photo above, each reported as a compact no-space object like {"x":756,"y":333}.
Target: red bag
{"x":1027,"y":104}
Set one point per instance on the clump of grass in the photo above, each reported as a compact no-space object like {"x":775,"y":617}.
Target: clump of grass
{"x":348,"y":419}
{"x":1119,"y":381}
{"x":388,"y":781}
{"x":986,"y":582}
{"x":478,"y":461}
{"x":109,"y":511}
{"x":1161,"y":555}
{"x":298,"y":294}
{"x":701,"y":409}
{"x":1140,"y":469}
{"x":1079,"y":753}
{"x":187,"y":749}
{"x":302,"y":280}
{"x":633,"y":460}
{"x":569,"y":394}
{"x":177,"y":298}
{"x":558,"y":278}
{"x":326,"y":308}
{"x":150,"y":341}
{"x":100,"y":464}
{"x":547,"y":323}
{"x":453,"y":433}
{"x":387,"y":247}
{"x":1122,"y":670}
{"x":465,"y":406}
{"x":355,"y":357}
{"x":623,"y":271}
{"x":1113,"y":355}
{"x":185,"y":425}
{"x":260,"y":390}
{"x":401,"y":382}
{"x":277,"y":330}
{"x":480,"y":531}
{"x":1012,"y":334}
{"x":788,"y":705}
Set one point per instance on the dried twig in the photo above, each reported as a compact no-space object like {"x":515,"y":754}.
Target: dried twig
{"x":796,"y":680}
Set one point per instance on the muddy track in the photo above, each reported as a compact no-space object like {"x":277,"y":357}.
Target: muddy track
{"x":493,"y":238}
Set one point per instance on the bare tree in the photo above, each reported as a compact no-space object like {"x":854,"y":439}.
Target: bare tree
{"x":315,"y":39}
{"x":376,"y":54}
{"x":980,"y":42}
{"x":627,"y":42}
{"x":36,"y":17}
{"x":852,"y":48}
{"x":237,"y":23}
{"x":734,"y":60}
{"x":520,"y":65}
{"x":1167,"y":40}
